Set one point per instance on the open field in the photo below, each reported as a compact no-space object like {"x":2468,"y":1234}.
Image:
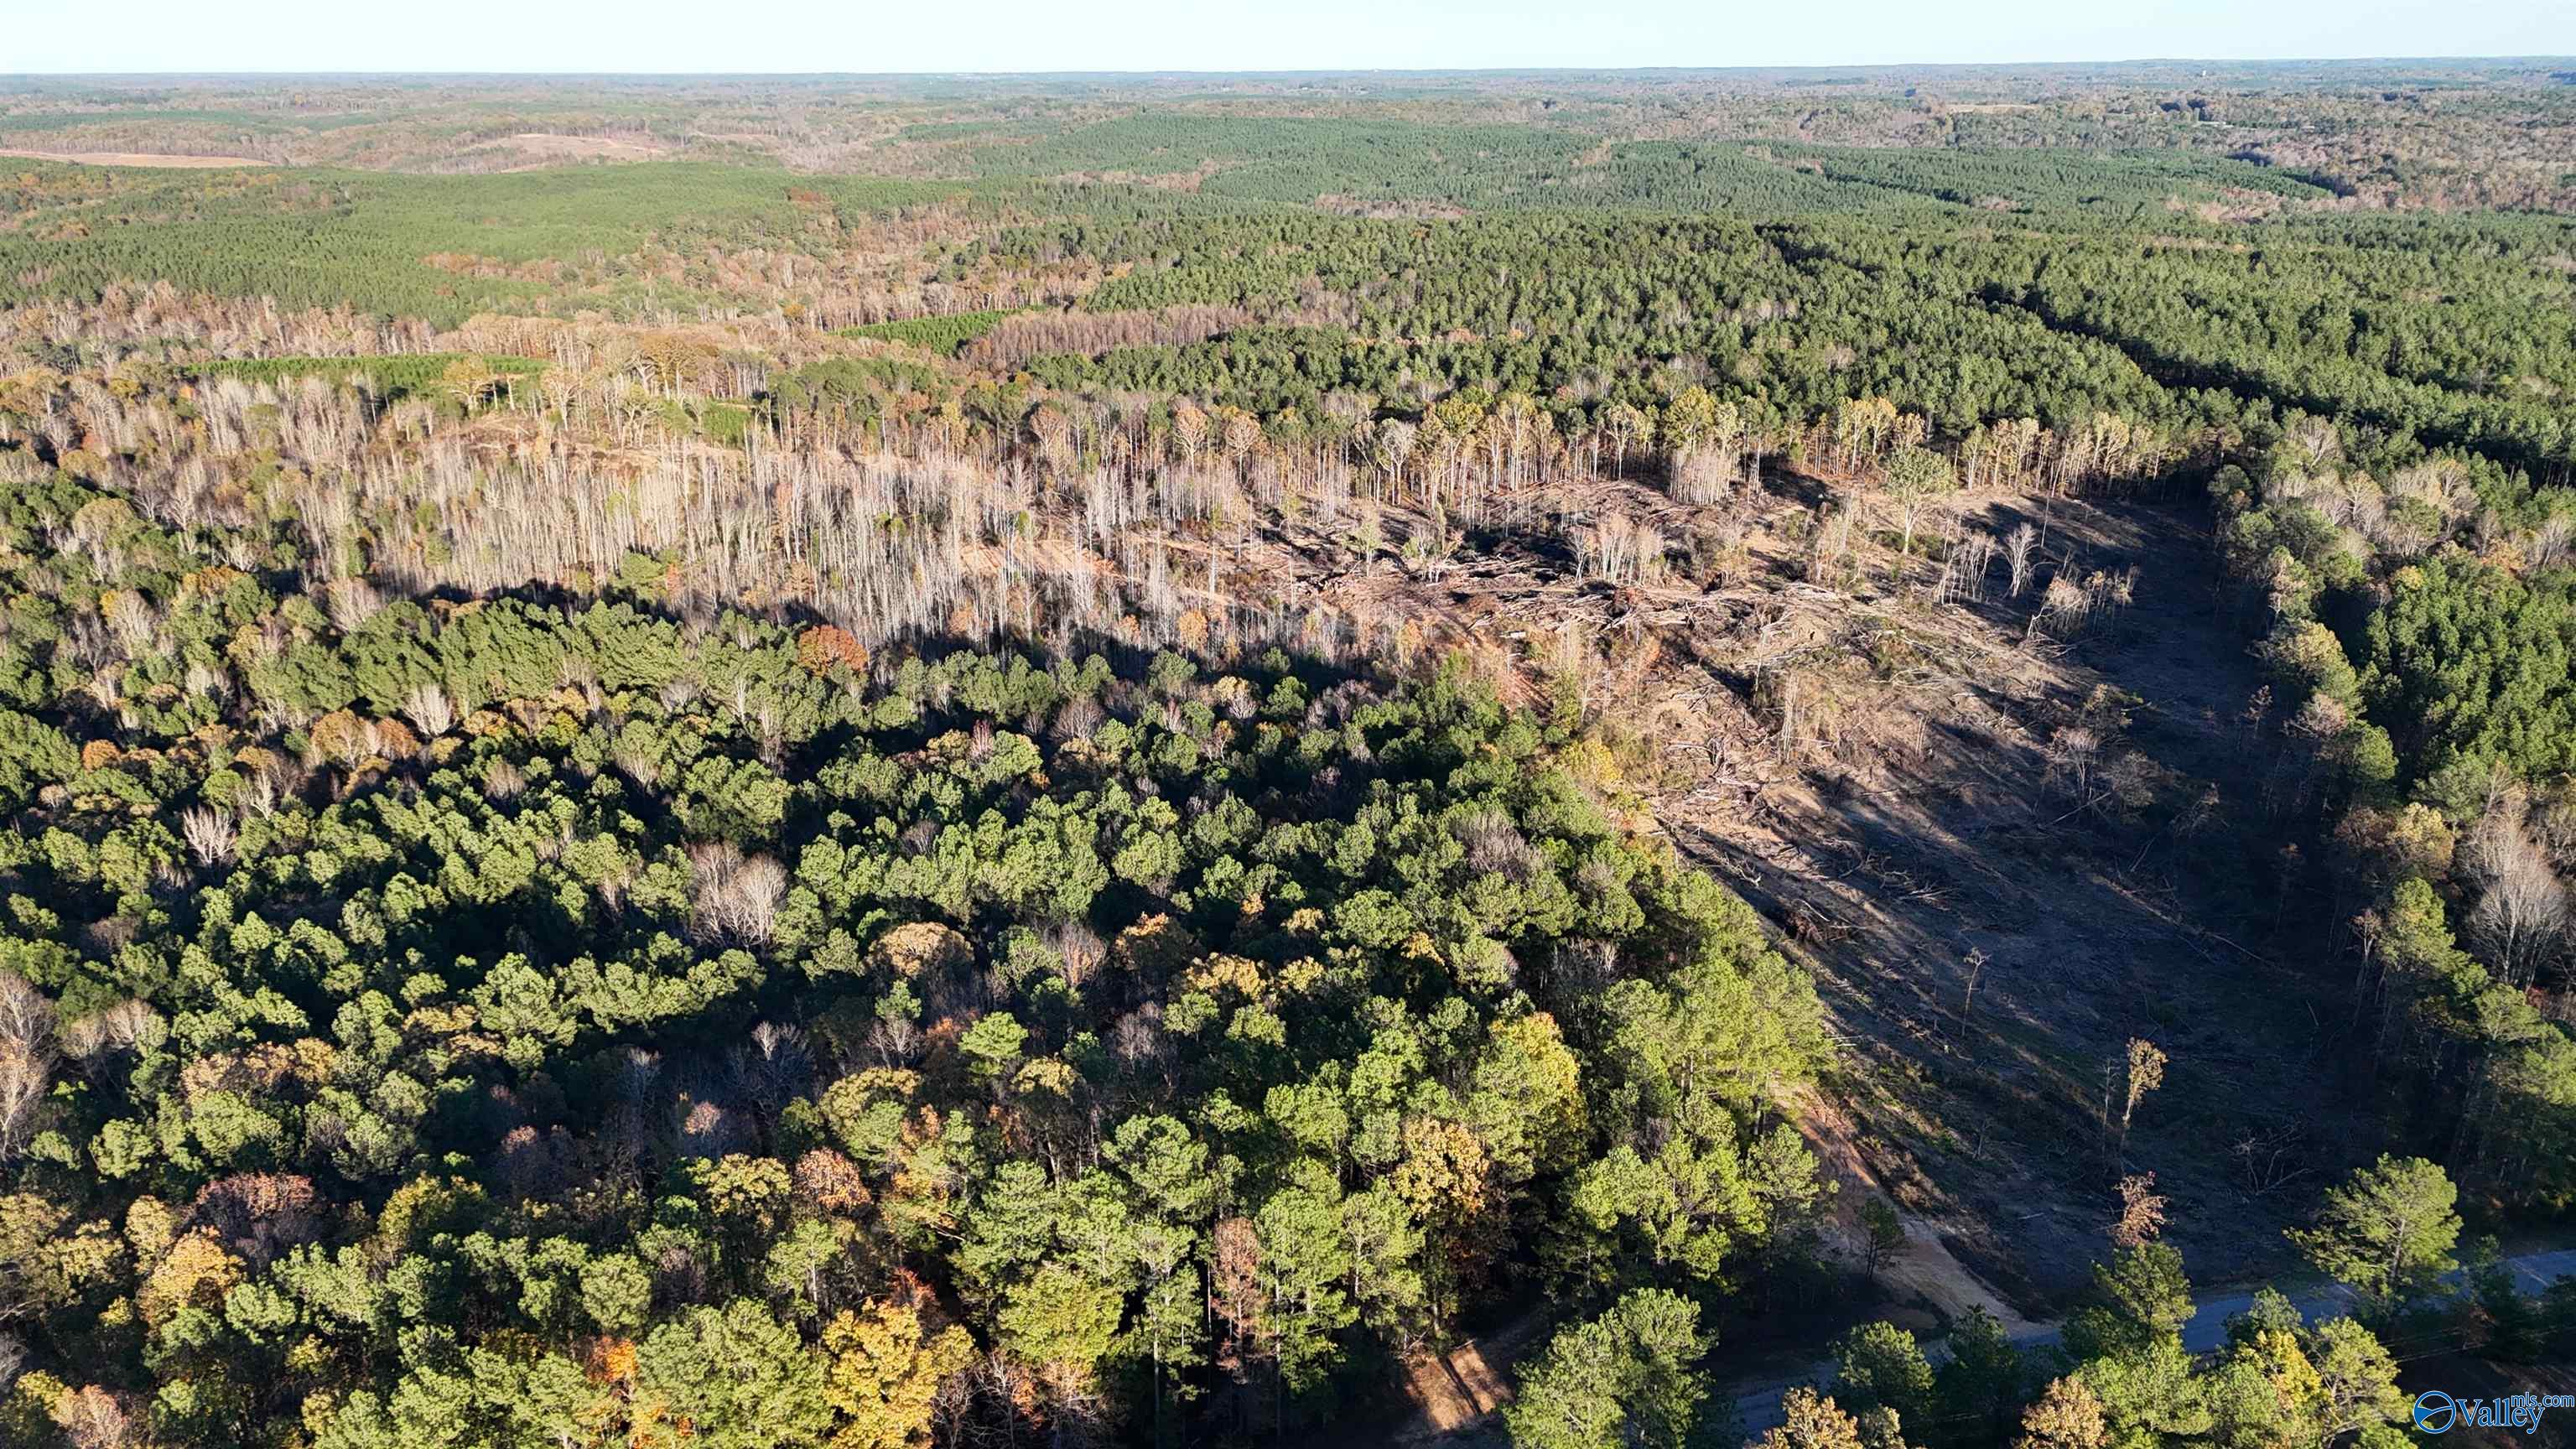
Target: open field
{"x":167,"y":162}
{"x":541,"y":148}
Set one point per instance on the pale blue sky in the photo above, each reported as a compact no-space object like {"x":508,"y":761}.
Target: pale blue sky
{"x":1026,"y":35}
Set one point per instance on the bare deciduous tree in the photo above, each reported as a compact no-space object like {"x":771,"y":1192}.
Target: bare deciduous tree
{"x":430,"y":711}
{"x":94,"y":1418}
{"x":774,"y":1066}
{"x":1015,"y":340}
{"x":1964,"y":569}
{"x":2073,"y":753}
{"x":1702,"y":475}
{"x":2064,"y":606}
{"x":102,"y":1040}
{"x":1621,"y":550}
{"x":1977,"y":961}
{"x":27,"y":1057}
{"x":2145,"y":1072}
{"x":2017,"y":557}
{"x":2142,"y":1211}
{"x":2522,"y":911}
{"x":257,"y":795}
{"x":209,"y":833}
{"x":735,"y":896}
{"x":258,"y":1215}
{"x":2268,"y":1159}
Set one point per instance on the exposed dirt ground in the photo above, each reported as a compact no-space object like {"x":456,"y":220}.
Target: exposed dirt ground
{"x":1911,"y":874}
{"x":1993,"y":906}
{"x":1922,"y":1271}
{"x":1459,"y":1394}
{"x":1991,"y":917}
{"x":545,"y":148}
{"x":2005,"y":847}
{"x":137,"y":158}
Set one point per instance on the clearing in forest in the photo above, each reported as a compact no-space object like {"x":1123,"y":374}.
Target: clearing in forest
{"x":542,"y":147}
{"x":136,"y":158}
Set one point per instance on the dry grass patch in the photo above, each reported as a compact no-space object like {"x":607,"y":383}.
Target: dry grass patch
{"x":137,"y":158}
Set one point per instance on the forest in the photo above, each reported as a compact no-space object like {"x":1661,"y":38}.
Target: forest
{"x":1605,"y":761}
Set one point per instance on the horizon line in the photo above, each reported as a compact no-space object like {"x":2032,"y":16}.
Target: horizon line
{"x":1356,"y":70}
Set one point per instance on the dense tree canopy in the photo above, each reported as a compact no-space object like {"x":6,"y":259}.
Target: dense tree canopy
{"x":654,"y":805}
{"x":503,"y":1020}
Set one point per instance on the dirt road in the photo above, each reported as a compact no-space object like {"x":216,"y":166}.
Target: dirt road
{"x":1757,"y":1403}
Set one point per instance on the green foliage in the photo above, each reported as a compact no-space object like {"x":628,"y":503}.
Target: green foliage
{"x":1625,"y":1378}
{"x":32,"y":754}
{"x":526,"y":1058}
{"x":1879,"y":1366}
{"x":942,"y":334}
{"x":1353,"y":162}
{"x":2139,"y":1299}
{"x":2277,"y":1380}
{"x":2387,"y":1231}
{"x":326,"y":238}
{"x":1985,"y":1381}
{"x":389,"y":378}
{"x":2466,"y":662}
{"x":570,"y":1010}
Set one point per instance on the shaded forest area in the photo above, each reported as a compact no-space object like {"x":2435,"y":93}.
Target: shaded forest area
{"x":799,"y":763}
